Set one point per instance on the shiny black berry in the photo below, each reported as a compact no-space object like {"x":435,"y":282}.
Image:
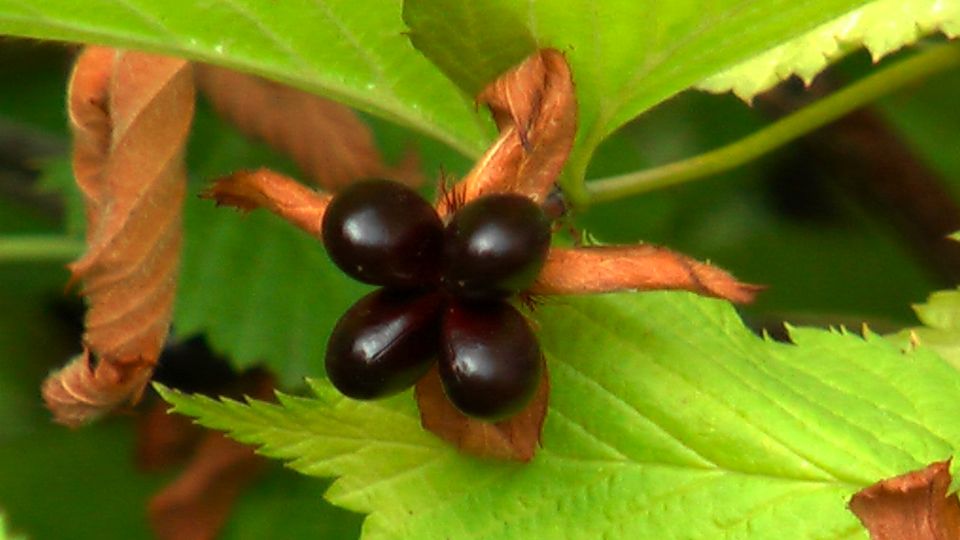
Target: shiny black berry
{"x":490,"y":362}
{"x":494,"y":247}
{"x":383,"y":233}
{"x":384,"y":343}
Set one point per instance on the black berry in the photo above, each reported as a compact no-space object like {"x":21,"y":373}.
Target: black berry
{"x":383,"y":233}
{"x":384,"y":343}
{"x":490,"y":362}
{"x":494,"y":247}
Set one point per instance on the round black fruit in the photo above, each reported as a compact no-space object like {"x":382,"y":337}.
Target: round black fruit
{"x":383,"y":233}
{"x":495,"y":246}
{"x":384,"y":343}
{"x":490,"y":361}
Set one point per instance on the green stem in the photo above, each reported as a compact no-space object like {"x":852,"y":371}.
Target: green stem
{"x":39,"y":248}
{"x":822,"y":112}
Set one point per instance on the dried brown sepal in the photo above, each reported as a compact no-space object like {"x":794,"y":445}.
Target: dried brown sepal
{"x":535,"y":108}
{"x":131,"y":114}
{"x":328,"y":141}
{"x":280,"y":194}
{"x":912,"y":506}
{"x":643,"y":267}
{"x":516,"y":439}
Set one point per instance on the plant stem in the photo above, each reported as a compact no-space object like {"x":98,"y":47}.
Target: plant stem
{"x":39,"y":248}
{"x":822,"y":112}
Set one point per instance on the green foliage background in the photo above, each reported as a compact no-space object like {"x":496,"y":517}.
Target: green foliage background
{"x":262,"y":292}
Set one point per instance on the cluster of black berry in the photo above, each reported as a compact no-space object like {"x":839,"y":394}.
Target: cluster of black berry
{"x":443,"y":297}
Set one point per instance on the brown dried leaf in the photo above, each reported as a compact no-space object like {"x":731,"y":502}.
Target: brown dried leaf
{"x":164,"y":439}
{"x":198,"y":502}
{"x":327,"y":140}
{"x":130,"y":113}
{"x":514,"y":439}
{"x":280,"y":194}
{"x":912,"y":506}
{"x":643,"y":267}
{"x":535,"y":108}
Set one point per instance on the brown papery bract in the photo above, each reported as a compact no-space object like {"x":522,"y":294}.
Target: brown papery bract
{"x":643,"y":267}
{"x":327,"y":140}
{"x":282,"y":195}
{"x":130,"y":114}
{"x":535,"y":108}
{"x":912,"y":506}
{"x":516,"y":438}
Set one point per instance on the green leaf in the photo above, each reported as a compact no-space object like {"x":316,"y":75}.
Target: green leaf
{"x":940,"y":316}
{"x":663,"y":405}
{"x":473,"y":27}
{"x":354,"y":51}
{"x":626,"y":55}
{"x":882,"y":26}
{"x":283,"y":505}
{"x":5,"y":534}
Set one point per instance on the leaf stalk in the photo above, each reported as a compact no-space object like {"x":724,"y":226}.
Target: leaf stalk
{"x":874,"y":86}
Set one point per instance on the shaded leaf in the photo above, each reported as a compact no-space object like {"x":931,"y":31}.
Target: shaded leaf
{"x":472,"y":25}
{"x":882,"y":26}
{"x":354,"y":52}
{"x":912,"y":506}
{"x":327,"y":141}
{"x":263,"y":188}
{"x":662,"y":405}
{"x":131,"y":115}
{"x":516,"y":438}
{"x":643,"y":267}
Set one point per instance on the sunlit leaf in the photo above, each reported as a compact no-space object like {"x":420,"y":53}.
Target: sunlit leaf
{"x":882,"y":26}
{"x":663,"y":406}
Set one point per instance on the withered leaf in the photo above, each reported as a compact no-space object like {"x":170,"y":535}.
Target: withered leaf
{"x":535,"y":108}
{"x":130,"y":113}
{"x":164,"y":439}
{"x":912,"y":506}
{"x":516,"y":438}
{"x":642,"y":267}
{"x":282,"y":195}
{"x":198,"y":502}
{"x":327,"y":140}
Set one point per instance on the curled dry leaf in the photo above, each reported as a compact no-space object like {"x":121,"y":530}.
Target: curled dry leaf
{"x":515,"y":439}
{"x":327,"y":140}
{"x":198,"y":502}
{"x":130,"y":114}
{"x":535,"y":108}
{"x":912,"y":506}
{"x":642,"y":267}
{"x":280,"y":194}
